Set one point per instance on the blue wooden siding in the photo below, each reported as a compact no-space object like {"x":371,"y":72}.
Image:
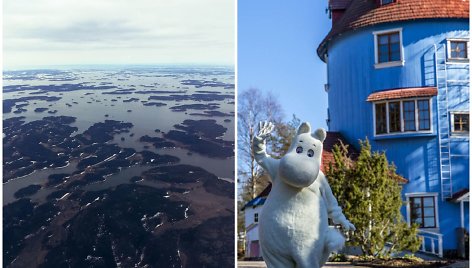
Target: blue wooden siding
{"x":352,"y":77}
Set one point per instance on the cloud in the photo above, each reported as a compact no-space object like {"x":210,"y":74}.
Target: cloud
{"x":146,"y":30}
{"x":84,"y":31}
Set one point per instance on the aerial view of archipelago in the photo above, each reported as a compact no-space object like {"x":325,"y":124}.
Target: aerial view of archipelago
{"x":118,"y":167}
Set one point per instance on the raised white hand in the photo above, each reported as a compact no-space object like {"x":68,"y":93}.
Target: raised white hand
{"x":265,"y":128}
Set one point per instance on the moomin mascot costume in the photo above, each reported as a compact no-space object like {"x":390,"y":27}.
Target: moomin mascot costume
{"x":293,"y":225}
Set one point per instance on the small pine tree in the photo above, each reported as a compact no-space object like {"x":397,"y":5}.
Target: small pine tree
{"x":370,"y":195}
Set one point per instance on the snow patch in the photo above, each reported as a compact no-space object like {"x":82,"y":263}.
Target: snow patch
{"x":64,"y":196}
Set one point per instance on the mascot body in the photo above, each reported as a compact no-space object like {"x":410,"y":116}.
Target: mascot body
{"x":293,"y":225}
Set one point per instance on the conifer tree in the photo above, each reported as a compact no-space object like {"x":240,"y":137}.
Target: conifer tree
{"x":369,"y":192}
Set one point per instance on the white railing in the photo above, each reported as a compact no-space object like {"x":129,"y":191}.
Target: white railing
{"x":432,"y":243}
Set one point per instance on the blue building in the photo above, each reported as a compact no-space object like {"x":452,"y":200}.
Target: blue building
{"x":398,"y":74}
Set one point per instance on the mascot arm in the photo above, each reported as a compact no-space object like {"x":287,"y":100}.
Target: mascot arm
{"x":334,"y":210}
{"x":262,"y":158}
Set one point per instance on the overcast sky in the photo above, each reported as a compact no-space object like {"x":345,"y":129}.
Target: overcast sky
{"x":53,"y":32}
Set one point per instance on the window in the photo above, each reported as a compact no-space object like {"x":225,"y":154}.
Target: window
{"x":256,"y":217}
{"x":388,"y":48}
{"x":380,"y":118}
{"x":423,"y":115}
{"x":457,"y":50}
{"x":460,"y":123}
{"x":384,"y":2}
{"x":402,"y":116}
{"x":394,"y":116}
{"x":409,"y":116}
{"x":423,"y":211}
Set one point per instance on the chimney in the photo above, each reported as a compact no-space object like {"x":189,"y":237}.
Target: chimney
{"x":337,"y":8}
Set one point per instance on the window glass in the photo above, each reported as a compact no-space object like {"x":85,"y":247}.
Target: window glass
{"x":395,"y":38}
{"x":418,"y":221}
{"x":383,"y":58}
{"x":383,"y":39}
{"x":417,"y":212}
{"x":409,"y":120}
{"x":458,"y":50}
{"x":422,"y":211}
{"x":429,"y":212}
{"x":380,"y":118}
{"x":395,"y":56}
{"x":384,"y":2}
{"x":461,"y":122}
{"x":429,"y":223}
{"x":423,"y":115}
{"x":417,"y":202}
{"x":388,"y":47}
{"x":394,"y":116}
{"x":409,"y":116}
{"x":256,"y":217}
{"x":428,"y":201}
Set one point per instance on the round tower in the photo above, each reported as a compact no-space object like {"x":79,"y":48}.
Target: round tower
{"x":398,"y":74}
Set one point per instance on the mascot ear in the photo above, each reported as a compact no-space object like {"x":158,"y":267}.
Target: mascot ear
{"x":319,"y":134}
{"x":304,"y":128}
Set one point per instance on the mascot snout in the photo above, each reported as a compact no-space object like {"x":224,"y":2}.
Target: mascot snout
{"x":298,"y":172}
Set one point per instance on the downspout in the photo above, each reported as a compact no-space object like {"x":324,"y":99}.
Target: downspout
{"x":462,"y":214}
{"x":326,"y":88}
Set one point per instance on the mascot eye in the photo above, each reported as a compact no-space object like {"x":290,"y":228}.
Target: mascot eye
{"x":310,"y":153}
{"x":299,"y":150}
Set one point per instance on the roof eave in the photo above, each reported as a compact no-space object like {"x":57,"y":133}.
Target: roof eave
{"x":322,"y":49}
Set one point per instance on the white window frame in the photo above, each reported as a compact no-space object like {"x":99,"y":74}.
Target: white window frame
{"x":457,"y":133}
{"x":400,"y":62}
{"x":402,"y":123}
{"x":455,"y":60}
{"x":423,"y":194}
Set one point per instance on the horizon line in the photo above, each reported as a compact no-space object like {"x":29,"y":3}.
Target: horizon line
{"x":59,"y":66}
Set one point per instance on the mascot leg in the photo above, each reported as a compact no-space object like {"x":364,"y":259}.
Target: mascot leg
{"x":334,"y":242}
{"x":309,"y":258}
{"x":276,"y":260}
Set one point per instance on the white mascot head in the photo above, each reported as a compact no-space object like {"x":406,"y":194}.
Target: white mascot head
{"x":300,"y":166}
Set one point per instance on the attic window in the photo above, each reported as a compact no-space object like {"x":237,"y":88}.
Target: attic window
{"x":386,"y":2}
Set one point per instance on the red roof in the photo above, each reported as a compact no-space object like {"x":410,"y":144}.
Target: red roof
{"x":332,"y":139}
{"x":335,"y":138}
{"x":362,"y":13}
{"x":400,"y":93}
